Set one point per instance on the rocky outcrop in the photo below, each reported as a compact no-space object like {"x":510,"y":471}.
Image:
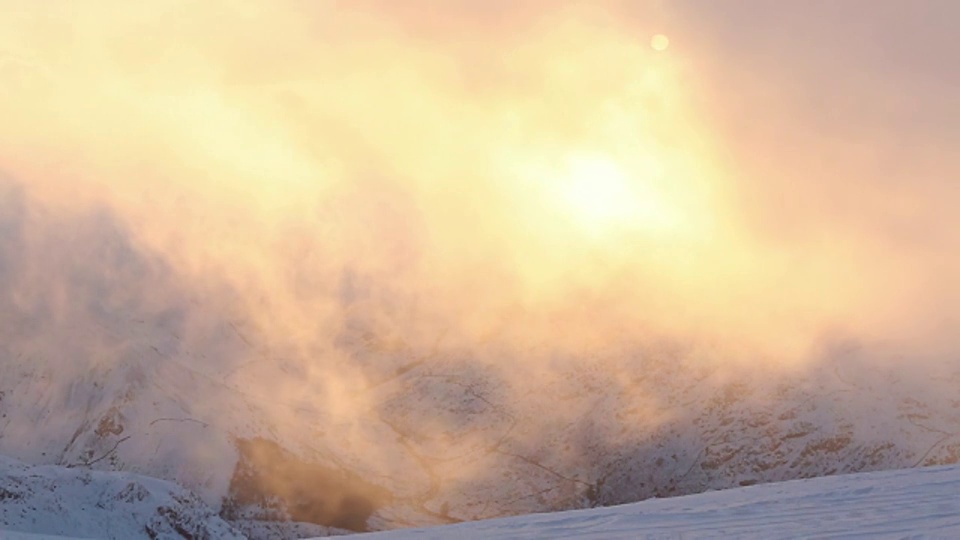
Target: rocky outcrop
{"x":53,"y":500}
{"x":272,"y":484}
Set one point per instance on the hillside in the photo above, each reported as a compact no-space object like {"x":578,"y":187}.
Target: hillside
{"x":145,"y":372}
{"x":57,"y":501}
{"x":50,"y":502}
{"x":920,"y":503}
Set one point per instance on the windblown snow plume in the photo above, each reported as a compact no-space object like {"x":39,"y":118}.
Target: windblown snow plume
{"x":380,"y":235}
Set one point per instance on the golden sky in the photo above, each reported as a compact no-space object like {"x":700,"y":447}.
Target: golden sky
{"x":755,"y":175}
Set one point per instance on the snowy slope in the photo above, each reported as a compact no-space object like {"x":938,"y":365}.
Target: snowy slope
{"x":57,"y":501}
{"x":14,"y":535}
{"x":919,"y":503}
{"x":41,"y":503}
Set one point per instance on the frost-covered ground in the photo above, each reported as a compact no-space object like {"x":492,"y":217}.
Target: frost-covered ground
{"x":53,"y":501}
{"x":922,"y":503}
{"x":56,"y":502}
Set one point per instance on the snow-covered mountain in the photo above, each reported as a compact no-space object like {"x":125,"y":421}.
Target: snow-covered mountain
{"x":74,"y":502}
{"x":110,"y":360}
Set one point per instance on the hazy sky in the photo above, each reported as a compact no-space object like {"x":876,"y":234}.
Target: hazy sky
{"x":781,"y":171}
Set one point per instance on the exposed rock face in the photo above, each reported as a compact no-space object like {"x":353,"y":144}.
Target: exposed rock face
{"x":272,"y":484}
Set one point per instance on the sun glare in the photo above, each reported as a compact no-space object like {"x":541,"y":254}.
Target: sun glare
{"x":599,"y":195}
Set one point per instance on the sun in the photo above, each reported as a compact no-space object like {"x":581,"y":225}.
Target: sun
{"x":659,"y":42}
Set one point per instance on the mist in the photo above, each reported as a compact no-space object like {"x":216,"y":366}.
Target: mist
{"x":515,"y":189}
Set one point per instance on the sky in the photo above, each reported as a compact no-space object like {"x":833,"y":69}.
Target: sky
{"x":778,"y":173}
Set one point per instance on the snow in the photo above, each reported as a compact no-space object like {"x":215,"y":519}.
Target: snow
{"x":50,"y":501}
{"x":916,"y":503}
{"x":13,"y":535}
